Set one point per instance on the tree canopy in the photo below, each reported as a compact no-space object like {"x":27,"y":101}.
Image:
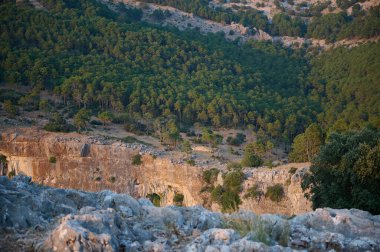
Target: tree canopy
{"x":346,"y":173}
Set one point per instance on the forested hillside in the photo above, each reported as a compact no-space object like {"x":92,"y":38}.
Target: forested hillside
{"x":94,"y":58}
{"x":308,"y":23}
{"x":82,"y":53}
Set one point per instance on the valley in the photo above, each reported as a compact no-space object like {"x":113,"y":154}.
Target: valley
{"x":162,"y":125}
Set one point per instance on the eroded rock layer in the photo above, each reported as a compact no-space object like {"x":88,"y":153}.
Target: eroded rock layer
{"x":39,"y":218}
{"x":93,"y":163}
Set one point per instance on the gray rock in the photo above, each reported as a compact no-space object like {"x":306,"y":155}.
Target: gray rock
{"x":37,"y":218}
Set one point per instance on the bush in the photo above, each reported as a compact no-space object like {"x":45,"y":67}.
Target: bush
{"x":210,"y":176}
{"x":52,"y":160}
{"x":154,"y":198}
{"x":190,"y":162}
{"x":178,"y":199}
{"x":233,"y":181}
{"x":58,"y":124}
{"x":249,"y":225}
{"x":10,"y":109}
{"x":253,"y":192}
{"x":293,"y":170}
{"x":112,"y":179}
{"x":237,"y":140}
{"x":137,"y":159}
{"x":250,"y":158}
{"x":234,"y":166}
{"x":275,"y":193}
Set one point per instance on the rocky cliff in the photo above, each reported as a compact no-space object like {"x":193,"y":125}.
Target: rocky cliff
{"x":39,"y":218}
{"x":93,"y":163}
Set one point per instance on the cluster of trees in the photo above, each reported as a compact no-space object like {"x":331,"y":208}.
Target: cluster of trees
{"x":346,"y":173}
{"x":246,"y":16}
{"x":98,"y":63}
{"x":334,"y":26}
{"x":346,"y":83}
{"x":337,"y":26}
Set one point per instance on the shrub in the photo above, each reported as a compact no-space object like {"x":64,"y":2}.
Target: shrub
{"x":253,"y":225}
{"x":178,"y":199}
{"x":190,"y":162}
{"x":52,"y":160}
{"x":234,"y":166}
{"x":275,"y":193}
{"x":210,"y":176}
{"x":253,"y":192}
{"x":9,"y":108}
{"x":11,"y":174}
{"x":293,"y":170}
{"x":112,"y":179}
{"x":154,"y":198}
{"x":237,"y":140}
{"x":137,"y":159}
{"x":233,"y":181}
{"x":250,"y":158}
{"x":58,"y":124}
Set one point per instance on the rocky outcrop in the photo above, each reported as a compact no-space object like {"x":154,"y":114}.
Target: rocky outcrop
{"x":93,"y":163}
{"x":39,"y":218}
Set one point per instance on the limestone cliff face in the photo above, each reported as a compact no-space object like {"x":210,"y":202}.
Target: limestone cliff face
{"x":293,"y":201}
{"x":94,"y":164}
{"x":91,"y":164}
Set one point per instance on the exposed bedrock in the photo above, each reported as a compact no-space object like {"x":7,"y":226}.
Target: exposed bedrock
{"x":92,"y":163}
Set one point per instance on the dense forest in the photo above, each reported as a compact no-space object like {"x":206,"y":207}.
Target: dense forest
{"x":99,"y":60}
{"x":89,"y":58}
{"x":332,"y":27}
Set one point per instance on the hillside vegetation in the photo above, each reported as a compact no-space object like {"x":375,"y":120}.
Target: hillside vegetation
{"x":93,"y":58}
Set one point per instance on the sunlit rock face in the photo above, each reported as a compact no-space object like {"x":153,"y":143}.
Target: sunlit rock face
{"x":92,"y":163}
{"x":40,"y":218}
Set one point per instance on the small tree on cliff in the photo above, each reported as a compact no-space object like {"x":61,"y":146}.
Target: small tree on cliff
{"x":81,"y":118}
{"x":105,"y":117}
{"x":306,"y":146}
{"x":250,"y":158}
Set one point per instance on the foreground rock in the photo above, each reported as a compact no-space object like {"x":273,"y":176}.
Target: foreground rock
{"x":37,"y":218}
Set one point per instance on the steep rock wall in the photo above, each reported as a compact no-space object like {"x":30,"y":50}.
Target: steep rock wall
{"x":93,"y":164}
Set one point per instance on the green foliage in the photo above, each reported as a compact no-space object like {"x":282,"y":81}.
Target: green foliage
{"x":254,"y":192}
{"x":336,"y":26}
{"x":154,"y":198}
{"x":186,"y":147}
{"x":346,"y":82}
{"x":237,"y":140}
{"x":58,"y":124}
{"x":250,"y":157}
{"x":106,"y":117}
{"x":227,"y":196}
{"x":112,"y":179}
{"x":284,"y":25}
{"x":104,"y":64}
{"x":190,"y":162}
{"x":233,"y":181}
{"x":306,"y":146}
{"x":11,"y":174}
{"x":9,"y":108}
{"x":210,"y":176}
{"x":346,"y":173}
{"x":275,"y":193}
{"x":81,"y":118}
{"x":52,"y":160}
{"x":234,"y":166}
{"x":292,"y":170}
{"x":257,"y":229}
{"x":178,"y":199}
{"x":136,"y":160}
